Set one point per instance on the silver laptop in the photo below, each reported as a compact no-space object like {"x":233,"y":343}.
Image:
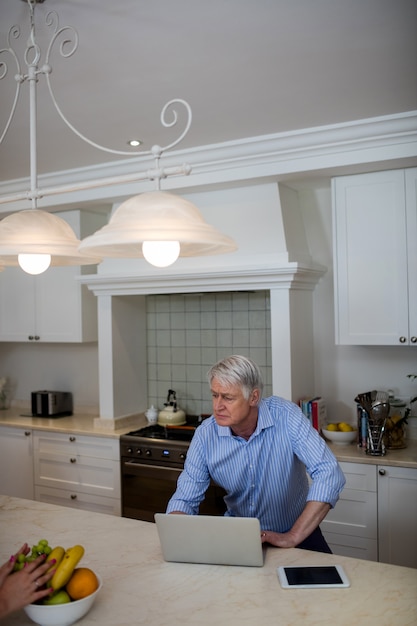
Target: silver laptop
{"x":216,"y":540}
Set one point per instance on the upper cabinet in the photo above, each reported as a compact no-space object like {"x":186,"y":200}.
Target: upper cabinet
{"x":54,"y":306}
{"x":375,"y":258}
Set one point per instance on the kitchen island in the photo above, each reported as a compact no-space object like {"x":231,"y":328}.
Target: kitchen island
{"x":140,"y":588}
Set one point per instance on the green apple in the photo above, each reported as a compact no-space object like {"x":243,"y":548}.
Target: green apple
{"x":58,"y":597}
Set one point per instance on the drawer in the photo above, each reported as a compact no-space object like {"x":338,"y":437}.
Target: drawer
{"x":83,"y":445}
{"x":359,"y":476}
{"x":78,"y":500}
{"x":355,"y":514}
{"x":84,"y":474}
{"x":355,"y":547}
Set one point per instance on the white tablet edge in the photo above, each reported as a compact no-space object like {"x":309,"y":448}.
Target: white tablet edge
{"x":282,"y":577}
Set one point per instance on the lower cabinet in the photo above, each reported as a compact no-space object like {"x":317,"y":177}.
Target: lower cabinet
{"x":16,"y":462}
{"x":79,"y":471}
{"x":376,"y":516}
{"x":351,"y":528}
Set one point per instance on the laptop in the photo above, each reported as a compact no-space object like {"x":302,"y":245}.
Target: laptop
{"x":210,"y":539}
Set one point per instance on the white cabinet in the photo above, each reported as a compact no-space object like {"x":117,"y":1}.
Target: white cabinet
{"x":80,"y":471}
{"x":397,"y":515}
{"x":16,"y":462}
{"x":351,"y":528}
{"x":54,"y":306}
{"x":376,"y":515}
{"x":375,"y":258}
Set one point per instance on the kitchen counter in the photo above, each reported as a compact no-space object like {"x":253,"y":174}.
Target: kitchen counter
{"x":140,"y":588}
{"x":406,"y":457}
{"x":79,"y":424}
{"x":86,"y":424}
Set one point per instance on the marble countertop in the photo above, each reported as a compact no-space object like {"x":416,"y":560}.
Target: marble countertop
{"x":140,"y":588}
{"x":78,"y":424}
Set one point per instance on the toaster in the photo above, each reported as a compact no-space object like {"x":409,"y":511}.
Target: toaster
{"x":51,"y":403}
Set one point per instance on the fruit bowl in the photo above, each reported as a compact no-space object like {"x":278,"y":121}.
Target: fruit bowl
{"x":62,"y":614}
{"x":339,"y":437}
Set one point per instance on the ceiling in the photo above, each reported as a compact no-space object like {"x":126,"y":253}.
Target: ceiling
{"x":247,"y":68}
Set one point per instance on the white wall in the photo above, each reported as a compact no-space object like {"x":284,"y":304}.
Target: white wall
{"x":341,"y":372}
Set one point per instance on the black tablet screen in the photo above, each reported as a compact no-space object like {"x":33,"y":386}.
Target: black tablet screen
{"x":323,"y":575}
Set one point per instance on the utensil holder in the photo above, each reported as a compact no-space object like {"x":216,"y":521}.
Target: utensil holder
{"x":375,"y":440}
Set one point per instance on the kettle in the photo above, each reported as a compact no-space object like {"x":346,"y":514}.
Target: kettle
{"x":171,"y":415}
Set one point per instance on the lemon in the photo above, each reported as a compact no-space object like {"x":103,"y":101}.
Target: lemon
{"x":345,"y":428}
{"x":332,"y":427}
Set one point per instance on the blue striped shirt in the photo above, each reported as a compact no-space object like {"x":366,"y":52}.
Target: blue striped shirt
{"x":264,"y":477}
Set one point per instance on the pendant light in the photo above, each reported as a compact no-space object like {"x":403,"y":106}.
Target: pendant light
{"x":154,"y":225}
{"x":158,"y":226}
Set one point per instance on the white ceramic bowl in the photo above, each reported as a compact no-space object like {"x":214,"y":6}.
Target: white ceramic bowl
{"x":62,"y":614}
{"x":340,"y":438}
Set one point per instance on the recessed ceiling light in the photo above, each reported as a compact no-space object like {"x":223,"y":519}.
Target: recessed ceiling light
{"x":134,"y":143}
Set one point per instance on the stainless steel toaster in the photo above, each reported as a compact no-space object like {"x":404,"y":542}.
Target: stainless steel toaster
{"x":51,"y":403}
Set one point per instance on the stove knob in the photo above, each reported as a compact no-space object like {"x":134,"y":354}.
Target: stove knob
{"x":130,"y":450}
{"x":183,"y":455}
{"x":139,"y":451}
{"x":148,"y":452}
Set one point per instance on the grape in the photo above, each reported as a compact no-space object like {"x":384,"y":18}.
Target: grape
{"x":42,"y":547}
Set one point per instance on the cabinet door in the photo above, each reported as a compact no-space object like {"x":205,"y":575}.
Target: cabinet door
{"x":17,"y":305}
{"x":397,"y":515}
{"x":16,"y":462}
{"x":411,"y":205}
{"x":370,"y":255}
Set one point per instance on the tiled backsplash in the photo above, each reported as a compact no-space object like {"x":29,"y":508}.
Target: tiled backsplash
{"x":186,"y":334}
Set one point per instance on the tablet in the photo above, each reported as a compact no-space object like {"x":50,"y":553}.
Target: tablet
{"x":312,"y":577}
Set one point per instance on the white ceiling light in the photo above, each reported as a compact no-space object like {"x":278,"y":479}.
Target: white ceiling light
{"x":157,"y":217}
{"x":140,"y":227}
{"x":34,"y":234}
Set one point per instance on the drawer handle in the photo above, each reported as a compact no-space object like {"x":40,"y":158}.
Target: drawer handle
{"x":27,"y":433}
{"x":72,"y":460}
{"x":413,"y":339}
{"x":72,"y":438}
{"x":73,"y":496}
{"x":403,"y":339}
{"x":381,"y":472}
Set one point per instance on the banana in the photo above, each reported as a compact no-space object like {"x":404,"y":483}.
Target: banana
{"x":66,"y":567}
{"x":57,"y":554}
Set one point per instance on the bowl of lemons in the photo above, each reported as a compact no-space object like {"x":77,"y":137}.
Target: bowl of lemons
{"x":340,"y":433}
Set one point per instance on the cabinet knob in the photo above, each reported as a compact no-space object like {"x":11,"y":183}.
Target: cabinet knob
{"x":413,"y":339}
{"x":30,"y":337}
{"x":403,"y":339}
{"x":27,"y":433}
{"x":37,"y":337}
{"x":73,"y":496}
{"x":381,"y":472}
{"x":72,"y":460}
{"x":72,"y":438}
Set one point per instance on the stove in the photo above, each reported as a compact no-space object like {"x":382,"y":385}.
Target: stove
{"x":152,"y":458}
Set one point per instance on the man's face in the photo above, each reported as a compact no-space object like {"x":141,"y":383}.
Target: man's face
{"x":230,"y":407}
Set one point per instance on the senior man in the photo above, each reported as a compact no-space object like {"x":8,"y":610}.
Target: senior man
{"x":260,"y":451}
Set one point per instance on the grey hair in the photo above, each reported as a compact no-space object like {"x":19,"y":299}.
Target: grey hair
{"x":237,"y":370}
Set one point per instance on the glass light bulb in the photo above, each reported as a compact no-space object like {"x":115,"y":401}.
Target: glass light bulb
{"x":34,"y":263}
{"x":161,"y":253}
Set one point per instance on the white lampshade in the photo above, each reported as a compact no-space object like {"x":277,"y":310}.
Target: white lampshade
{"x":38,"y":232}
{"x":156,"y":216}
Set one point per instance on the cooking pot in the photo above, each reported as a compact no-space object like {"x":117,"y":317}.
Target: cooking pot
{"x":171,"y":415}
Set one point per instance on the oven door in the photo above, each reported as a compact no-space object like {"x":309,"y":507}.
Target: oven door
{"x":146,"y":490}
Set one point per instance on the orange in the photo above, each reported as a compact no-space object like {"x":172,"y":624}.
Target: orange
{"x":82,"y":583}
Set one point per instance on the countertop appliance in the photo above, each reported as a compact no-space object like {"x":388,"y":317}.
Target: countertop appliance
{"x":51,"y":403}
{"x":152,"y":458}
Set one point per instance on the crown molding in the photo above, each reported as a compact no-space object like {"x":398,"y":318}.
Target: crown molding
{"x":282,"y":155}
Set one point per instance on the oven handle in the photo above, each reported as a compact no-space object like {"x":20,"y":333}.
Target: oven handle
{"x":147,"y":470}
